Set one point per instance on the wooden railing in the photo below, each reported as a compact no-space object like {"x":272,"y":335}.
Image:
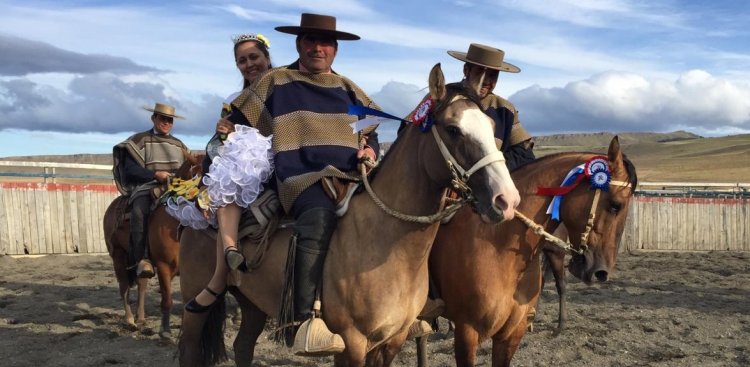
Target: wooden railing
{"x":48,"y":217}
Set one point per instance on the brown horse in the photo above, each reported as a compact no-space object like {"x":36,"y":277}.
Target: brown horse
{"x":489,"y":275}
{"x":163,"y":251}
{"x":375,"y":274}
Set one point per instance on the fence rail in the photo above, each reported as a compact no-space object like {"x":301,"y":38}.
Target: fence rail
{"x":64,"y":218}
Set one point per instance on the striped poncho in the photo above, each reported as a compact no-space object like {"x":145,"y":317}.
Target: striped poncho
{"x":150,"y":151}
{"x":307,"y":115}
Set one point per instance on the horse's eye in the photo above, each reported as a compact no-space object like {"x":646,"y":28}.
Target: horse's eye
{"x":614,"y":207}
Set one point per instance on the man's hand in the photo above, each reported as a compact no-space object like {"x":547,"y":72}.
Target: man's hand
{"x":224,"y":127}
{"x":366,"y":151}
{"x":162,"y":176}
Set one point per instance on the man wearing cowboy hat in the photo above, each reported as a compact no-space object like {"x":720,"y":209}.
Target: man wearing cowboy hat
{"x":481,"y":68}
{"x":304,"y":105}
{"x":143,"y":164}
{"x":482,"y":65}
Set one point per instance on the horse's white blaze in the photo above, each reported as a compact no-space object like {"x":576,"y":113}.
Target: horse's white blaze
{"x":478,"y":127}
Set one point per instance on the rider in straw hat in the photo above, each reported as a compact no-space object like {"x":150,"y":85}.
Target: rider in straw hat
{"x":142,"y":165}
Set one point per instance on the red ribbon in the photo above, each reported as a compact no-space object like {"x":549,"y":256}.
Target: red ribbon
{"x":556,"y":191}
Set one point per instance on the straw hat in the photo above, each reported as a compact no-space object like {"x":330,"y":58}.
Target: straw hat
{"x":316,"y":23}
{"x":163,"y":109}
{"x":486,"y":56}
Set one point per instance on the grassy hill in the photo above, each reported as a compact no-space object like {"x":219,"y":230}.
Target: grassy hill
{"x":677,"y":156}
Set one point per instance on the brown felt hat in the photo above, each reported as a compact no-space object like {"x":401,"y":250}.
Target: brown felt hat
{"x":486,"y":56}
{"x":316,"y":23}
{"x":163,"y":109}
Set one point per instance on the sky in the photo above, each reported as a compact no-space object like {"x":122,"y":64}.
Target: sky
{"x":74,"y":75}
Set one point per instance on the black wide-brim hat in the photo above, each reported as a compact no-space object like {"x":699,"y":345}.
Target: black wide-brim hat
{"x":316,"y":23}
{"x":486,"y":56}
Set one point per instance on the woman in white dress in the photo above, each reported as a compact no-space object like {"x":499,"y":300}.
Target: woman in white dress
{"x":240,"y":162}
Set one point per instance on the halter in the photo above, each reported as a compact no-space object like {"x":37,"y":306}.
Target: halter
{"x":459,"y":182}
{"x":564,"y":245}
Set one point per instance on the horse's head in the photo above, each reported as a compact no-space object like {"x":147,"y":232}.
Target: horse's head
{"x":192,"y":166}
{"x":610,"y":209}
{"x":465,"y":139}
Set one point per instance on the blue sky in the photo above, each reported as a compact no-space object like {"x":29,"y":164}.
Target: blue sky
{"x":74,"y":74}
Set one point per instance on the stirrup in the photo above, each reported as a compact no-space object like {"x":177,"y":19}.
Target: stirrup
{"x":195,"y":307}
{"x":418,"y":329}
{"x":235,"y":259}
{"x":313,"y":338}
{"x":144,"y":269}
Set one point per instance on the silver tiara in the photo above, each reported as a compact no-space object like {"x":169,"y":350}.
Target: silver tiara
{"x":252,"y":37}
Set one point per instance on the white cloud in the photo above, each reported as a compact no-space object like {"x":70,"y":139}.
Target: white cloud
{"x":617,"y":101}
{"x":98,"y":103}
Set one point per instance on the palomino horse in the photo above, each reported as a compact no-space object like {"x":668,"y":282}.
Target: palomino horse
{"x":489,"y":275}
{"x":375,"y":274}
{"x":163,"y":251}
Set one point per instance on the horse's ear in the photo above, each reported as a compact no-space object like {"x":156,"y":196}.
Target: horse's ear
{"x":615,"y":154}
{"x":437,"y":83}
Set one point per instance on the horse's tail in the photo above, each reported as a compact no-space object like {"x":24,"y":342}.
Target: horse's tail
{"x":212,"y":350}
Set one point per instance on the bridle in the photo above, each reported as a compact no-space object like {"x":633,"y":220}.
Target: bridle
{"x":564,"y":245}
{"x":459,"y":182}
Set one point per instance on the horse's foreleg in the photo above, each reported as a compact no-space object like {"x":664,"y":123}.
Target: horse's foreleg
{"x":253,"y":321}
{"x":557,"y":264}
{"x":465,"y":343}
{"x":504,"y":347}
{"x":384,"y":354}
{"x":165,"y":275}
{"x":356,"y":350}
{"x":141,"y":311}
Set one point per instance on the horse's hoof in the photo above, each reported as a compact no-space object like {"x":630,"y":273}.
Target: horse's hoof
{"x":165,"y":335}
{"x":557,"y":332}
{"x":131,"y":326}
{"x":530,"y":327}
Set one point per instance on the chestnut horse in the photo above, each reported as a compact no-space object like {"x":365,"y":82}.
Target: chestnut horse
{"x":163,"y":247}
{"x":489,"y":275}
{"x":375,"y":274}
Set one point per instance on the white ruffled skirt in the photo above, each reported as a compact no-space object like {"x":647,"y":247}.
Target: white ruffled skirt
{"x":236,"y":175}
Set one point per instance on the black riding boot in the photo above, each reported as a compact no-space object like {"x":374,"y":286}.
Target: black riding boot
{"x":314,"y":229}
{"x":139,"y":214}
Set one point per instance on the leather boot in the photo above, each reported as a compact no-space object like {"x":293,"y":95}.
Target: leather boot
{"x":314,"y":229}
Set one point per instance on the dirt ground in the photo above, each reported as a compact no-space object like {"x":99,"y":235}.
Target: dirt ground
{"x":660,"y":309}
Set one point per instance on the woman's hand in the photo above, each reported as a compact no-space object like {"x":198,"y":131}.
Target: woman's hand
{"x":224,"y":127}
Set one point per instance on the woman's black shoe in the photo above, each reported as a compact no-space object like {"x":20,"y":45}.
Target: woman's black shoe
{"x":195,"y":307}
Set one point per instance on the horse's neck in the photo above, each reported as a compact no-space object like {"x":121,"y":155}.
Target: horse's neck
{"x":402,"y":183}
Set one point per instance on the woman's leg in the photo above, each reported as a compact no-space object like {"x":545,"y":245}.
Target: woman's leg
{"x":229,"y":219}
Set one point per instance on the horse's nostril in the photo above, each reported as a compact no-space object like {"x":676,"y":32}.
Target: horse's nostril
{"x":500,"y":203}
{"x":601,"y":275}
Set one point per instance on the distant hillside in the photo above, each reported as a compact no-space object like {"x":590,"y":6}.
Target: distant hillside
{"x":71,"y":158}
{"x":603,"y":138}
{"x":677,"y":156}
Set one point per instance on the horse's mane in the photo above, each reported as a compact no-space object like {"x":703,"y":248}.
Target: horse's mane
{"x":629,"y":166}
{"x":452,"y":89}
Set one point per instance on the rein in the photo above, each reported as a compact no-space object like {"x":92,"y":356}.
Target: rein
{"x":459,"y":182}
{"x":562,"y":244}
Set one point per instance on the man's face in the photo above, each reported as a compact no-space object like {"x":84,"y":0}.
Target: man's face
{"x":316,"y":52}
{"x":474,"y":72}
{"x":162,"y":124}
